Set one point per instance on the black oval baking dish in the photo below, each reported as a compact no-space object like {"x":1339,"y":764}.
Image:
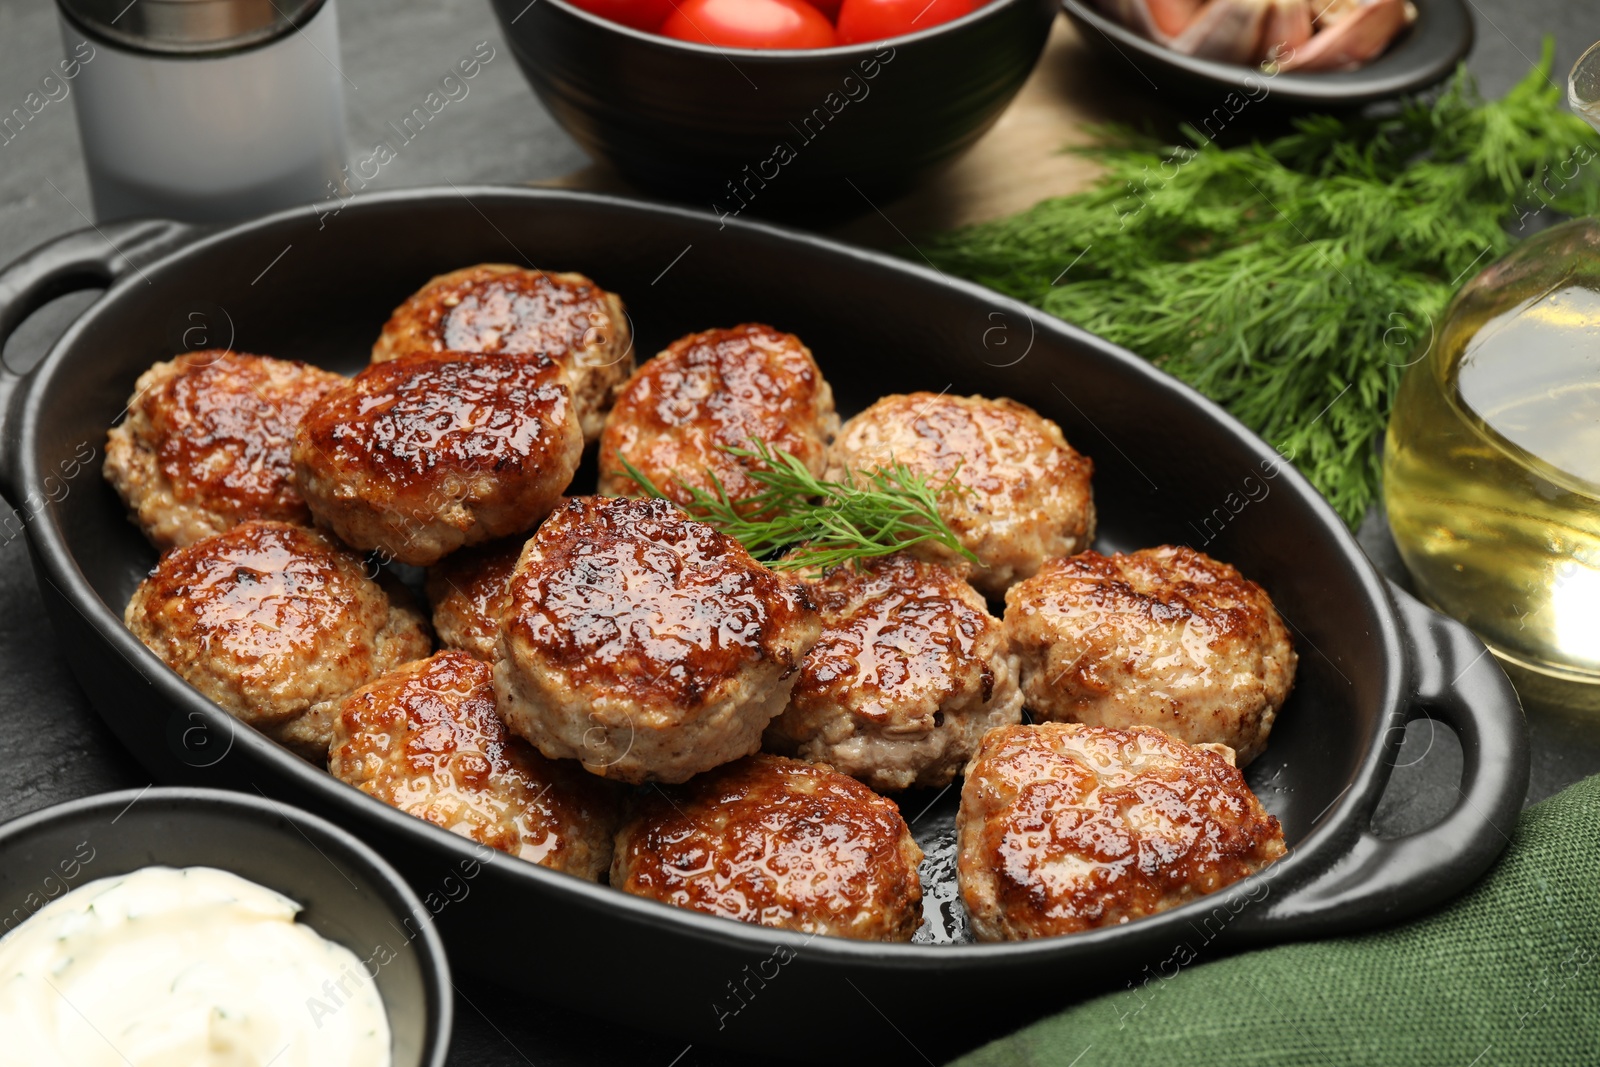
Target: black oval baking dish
{"x":348,"y":893}
{"x":1170,"y":467}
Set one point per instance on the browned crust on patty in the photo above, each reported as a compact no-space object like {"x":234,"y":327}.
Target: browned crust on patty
{"x":425,"y":738}
{"x":1165,"y":637}
{"x":910,"y":671}
{"x":777,"y":842}
{"x":206,"y":443}
{"x":634,"y":597}
{"x":1065,"y":827}
{"x":644,"y":643}
{"x":425,"y":454}
{"x":270,"y":620}
{"x":502,"y":309}
{"x":719,"y":388}
{"x":469,"y":593}
{"x":1024,"y":493}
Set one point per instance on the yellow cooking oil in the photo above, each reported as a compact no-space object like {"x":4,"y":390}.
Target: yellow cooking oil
{"x":1492,"y":459}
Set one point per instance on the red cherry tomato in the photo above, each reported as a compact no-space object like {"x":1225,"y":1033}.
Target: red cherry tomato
{"x":872,"y":20}
{"x":640,"y":14}
{"x":829,"y":8}
{"x":750,"y":24}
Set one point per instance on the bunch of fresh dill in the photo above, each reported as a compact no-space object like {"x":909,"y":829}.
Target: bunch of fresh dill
{"x":1293,"y":281}
{"x":801,"y":521}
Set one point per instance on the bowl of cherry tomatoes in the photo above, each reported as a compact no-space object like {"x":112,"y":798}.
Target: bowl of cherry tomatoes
{"x":787,"y":108}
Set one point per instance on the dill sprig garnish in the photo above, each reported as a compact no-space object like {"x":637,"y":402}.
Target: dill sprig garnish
{"x":1294,"y":281}
{"x":799,"y":520}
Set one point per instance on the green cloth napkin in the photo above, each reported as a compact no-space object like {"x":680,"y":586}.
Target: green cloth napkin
{"x":1509,"y":974}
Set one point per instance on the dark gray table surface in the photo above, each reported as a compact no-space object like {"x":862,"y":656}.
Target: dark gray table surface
{"x":54,"y":748}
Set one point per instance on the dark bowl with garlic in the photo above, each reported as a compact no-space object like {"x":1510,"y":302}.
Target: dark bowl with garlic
{"x":1278,"y":54}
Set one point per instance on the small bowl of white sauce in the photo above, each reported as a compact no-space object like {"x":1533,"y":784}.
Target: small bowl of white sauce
{"x":183,"y":926}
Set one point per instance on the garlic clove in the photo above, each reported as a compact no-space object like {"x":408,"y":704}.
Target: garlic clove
{"x":1172,"y":17}
{"x":1226,"y":30}
{"x":1356,"y":38}
{"x":1330,"y":13}
{"x":1287,"y":29}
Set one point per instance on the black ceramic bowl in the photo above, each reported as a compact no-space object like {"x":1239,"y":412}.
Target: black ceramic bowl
{"x":350,"y":895}
{"x":747,"y":131}
{"x":1169,"y":467}
{"x":1423,"y":55}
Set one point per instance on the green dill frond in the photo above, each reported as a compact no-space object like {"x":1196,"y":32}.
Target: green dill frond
{"x":1294,"y":280}
{"x":800,"y":521}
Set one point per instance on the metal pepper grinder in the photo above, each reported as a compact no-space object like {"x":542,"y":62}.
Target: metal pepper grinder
{"x":206,"y":110}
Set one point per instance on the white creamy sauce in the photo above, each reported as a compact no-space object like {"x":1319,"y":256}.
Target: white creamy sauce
{"x":183,"y":968}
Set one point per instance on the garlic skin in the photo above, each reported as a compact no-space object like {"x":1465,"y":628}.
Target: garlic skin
{"x":1280,"y":35}
{"x":1226,"y":30}
{"x":1356,"y":38}
{"x":1288,"y":28}
{"x":1172,"y":16}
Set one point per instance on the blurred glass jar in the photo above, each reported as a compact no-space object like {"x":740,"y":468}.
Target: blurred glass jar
{"x":207,"y":110}
{"x":1492,"y":464}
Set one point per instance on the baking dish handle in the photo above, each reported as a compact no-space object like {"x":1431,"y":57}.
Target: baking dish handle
{"x":92,"y":258}
{"x":1380,"y":881}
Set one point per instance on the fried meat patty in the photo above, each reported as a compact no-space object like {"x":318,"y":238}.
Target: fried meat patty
{"x":645,"y":644}
{"x":714,"y":390}
{"x":500,"y":309}
{"x":206,"y":444}
{"x":272,"y":621}
{"x":1065,"y":827}
{"x":469,"y":596}
{"x":425,"y":454}
{"x":1023,"y":493}
{"x":910,"y":672}
{"x":1165,"y":637}
{"x":426,"y":739}
{"x":778,"y":842}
